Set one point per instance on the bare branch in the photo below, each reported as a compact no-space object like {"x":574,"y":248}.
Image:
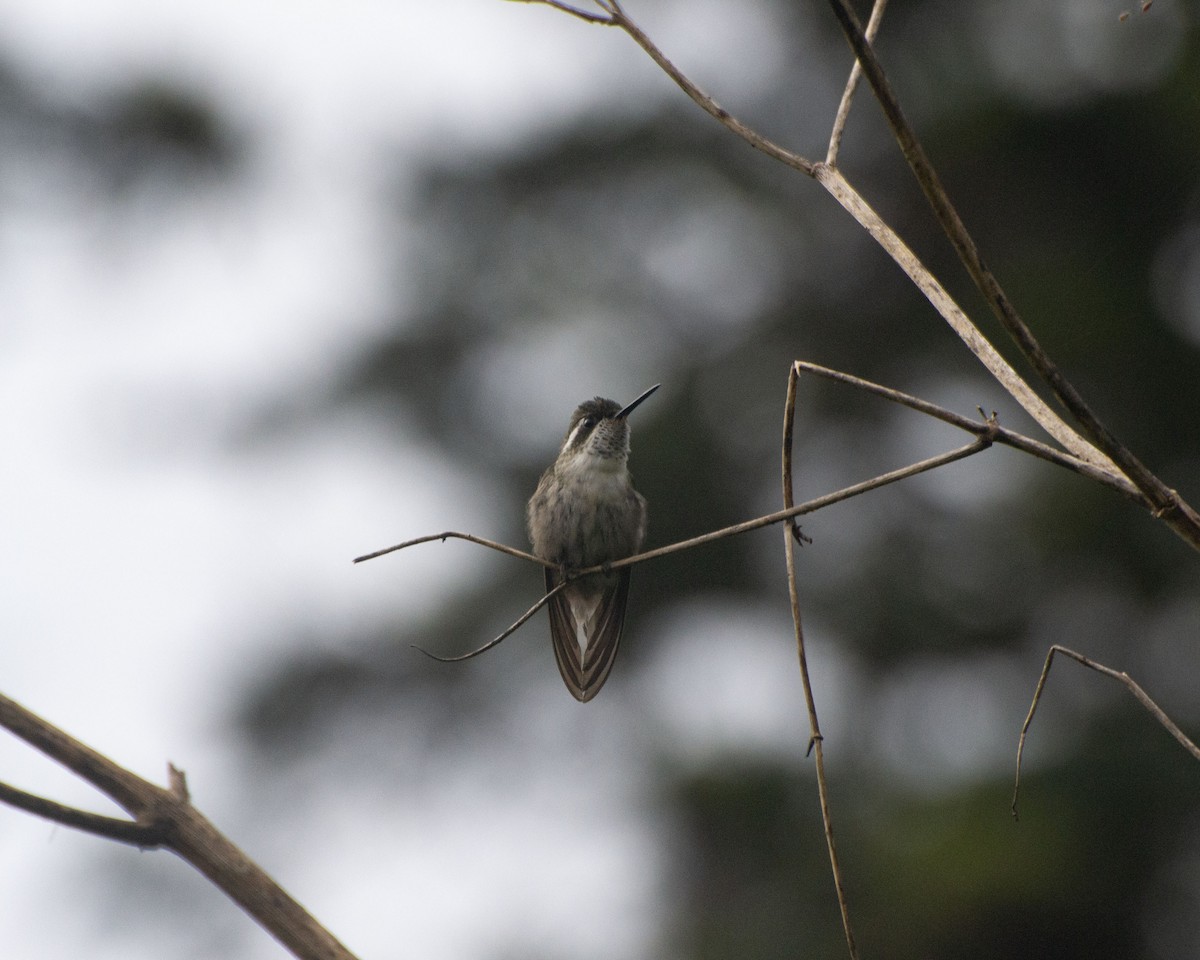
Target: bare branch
{"x":779,"y":516}
{"x":619,"y":18}
{"x":1112,"y":456}
{"x":854,"y":204}
{"x":857,"y":207}
{"x":1167,"y":504}
{"x":707,"y":103}
{"x":454,"y":534}
{"x":164,"y":817}
{"x":1121,"y":677}
{"x":507,"y":633}
{"x":809,"y":506}
{"x":843,"y":112}
{"x":999,"y":434}
{"x":127,"y":789}
{"x":573,"y":11}
{"x":816,"y":741}
{"x":111,"y":828}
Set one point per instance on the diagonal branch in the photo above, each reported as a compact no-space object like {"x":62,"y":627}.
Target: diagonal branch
{"x":809,"y":506}
{"x":1166,"y":503}
{"x":574,"y":11}
{"x":1112,"y":456}
{"x":617,"y":17}
{"x":507,"y":633}
{"x":111,"y":828}
{"x":1121,"y":677}
{"x":999,"y":434}
{"x":165,"y":817}
{"x":843,"y":112}
{"x":939,"y":298}
{"x":853,"y":203}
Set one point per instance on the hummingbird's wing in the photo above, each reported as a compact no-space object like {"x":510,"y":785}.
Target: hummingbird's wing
{"x":584,"y":679}
{"x":601,"y":648}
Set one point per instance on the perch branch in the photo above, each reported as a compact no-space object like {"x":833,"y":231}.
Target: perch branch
{"x":454,"y":534}
{"x":809,"y":506}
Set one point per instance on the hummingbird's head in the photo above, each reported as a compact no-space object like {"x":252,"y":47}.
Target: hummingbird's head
{"x":599,"y":429}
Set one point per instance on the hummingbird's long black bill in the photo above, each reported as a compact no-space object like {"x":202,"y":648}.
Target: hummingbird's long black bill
{"x":630,"y":408}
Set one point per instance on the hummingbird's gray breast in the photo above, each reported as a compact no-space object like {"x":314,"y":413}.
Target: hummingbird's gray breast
{"x":585,"y":516}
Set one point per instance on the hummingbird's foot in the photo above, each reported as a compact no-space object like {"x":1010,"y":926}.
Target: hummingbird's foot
{"x":606,"y":567}
{"x":801,"y":537}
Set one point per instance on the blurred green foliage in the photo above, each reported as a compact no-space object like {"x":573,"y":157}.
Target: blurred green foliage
{"x":722,"y":268}
{"x":664,"y":240}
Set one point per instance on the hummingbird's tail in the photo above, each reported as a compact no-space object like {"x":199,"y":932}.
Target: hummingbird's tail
{"x":585,"y":666}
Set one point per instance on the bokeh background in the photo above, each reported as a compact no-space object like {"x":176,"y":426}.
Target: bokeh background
{"x":283,"y":283}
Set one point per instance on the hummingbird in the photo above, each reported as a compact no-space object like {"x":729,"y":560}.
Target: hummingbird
{"x":585,"y":512}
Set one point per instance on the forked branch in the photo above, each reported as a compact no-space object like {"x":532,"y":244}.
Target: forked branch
{"x":165,"y":817}
{"x":1098,"y":446}
{"x":843,"y":111}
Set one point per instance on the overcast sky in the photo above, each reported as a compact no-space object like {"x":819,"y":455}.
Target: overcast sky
{"x":139,"y":556}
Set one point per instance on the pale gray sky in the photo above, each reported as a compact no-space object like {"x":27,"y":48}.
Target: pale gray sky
{"x":139,"y":556}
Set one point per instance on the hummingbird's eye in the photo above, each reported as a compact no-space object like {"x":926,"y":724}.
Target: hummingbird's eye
{"x":589,"y":422}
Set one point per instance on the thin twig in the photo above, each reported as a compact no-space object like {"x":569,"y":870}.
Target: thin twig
{"x":140,"y":835}
{"x":1166,"y":503}
{"x":491,"y":643}
{"x":779,"y":516}
{"x":1121,"y":677}
{"x":981,"y":443}
{"x":573,"y":11}
{"x":854,"y":204}
{"x":999,"y":434}
{"x":937,"y":295}
{"x":708,"y":104}
{"x":809,"y":506}
{"x":619,"y":18}
{"x":843,"y":112}
{"x":816,"y":741}
{"x":455,"y":535}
